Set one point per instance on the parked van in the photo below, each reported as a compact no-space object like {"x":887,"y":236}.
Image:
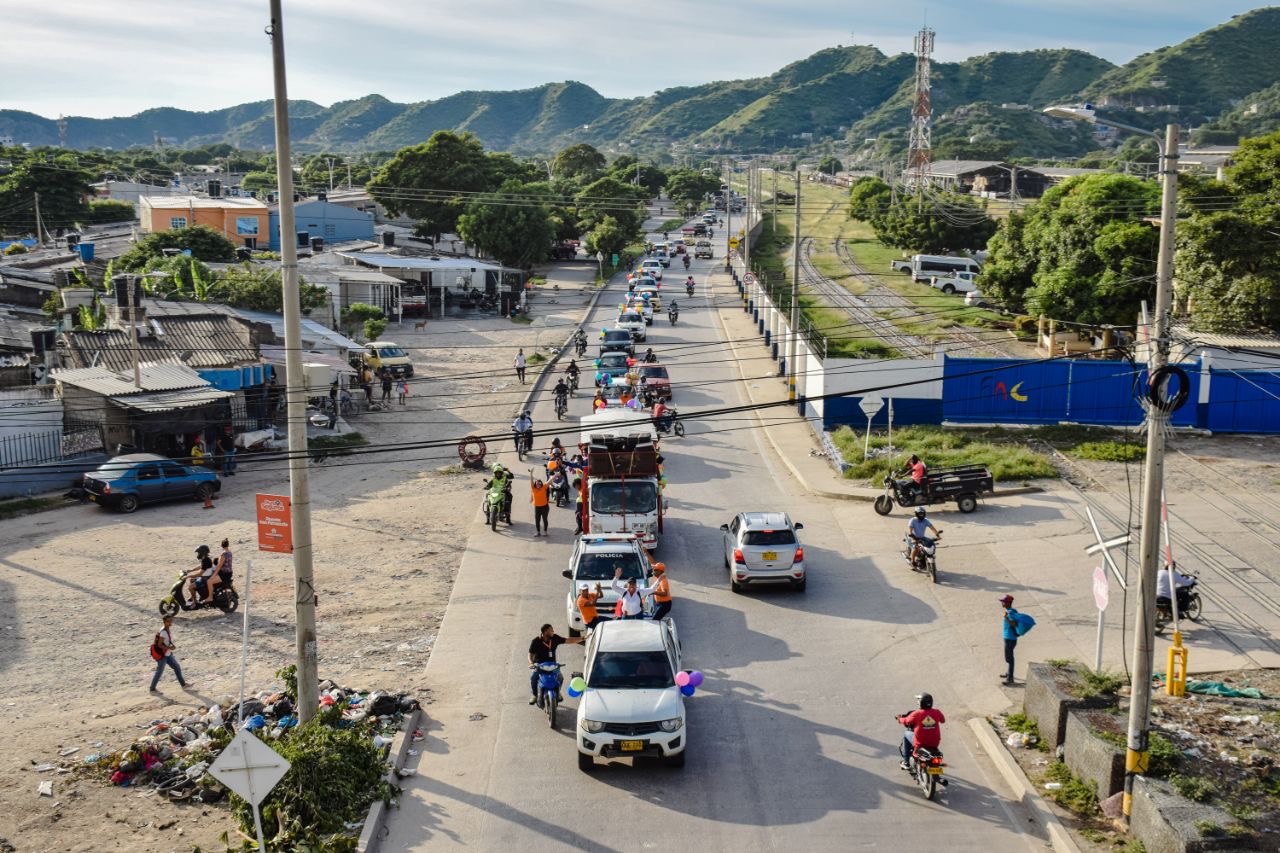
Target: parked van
{"x":380,"y":354}
{"x":925,"y":267}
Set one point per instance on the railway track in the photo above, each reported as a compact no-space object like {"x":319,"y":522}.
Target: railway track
{"x":1212,"y":569}
{"x":880,"y":298}
{"x":839,"y":297}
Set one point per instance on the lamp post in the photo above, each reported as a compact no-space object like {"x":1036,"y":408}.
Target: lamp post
{"x":1136,"y":756}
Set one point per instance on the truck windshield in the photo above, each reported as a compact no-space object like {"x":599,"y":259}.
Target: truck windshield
{"x":631,"y":670}
{"x":616,"y":497}
{"x":600,"y":566}
{"x":390,"y":352}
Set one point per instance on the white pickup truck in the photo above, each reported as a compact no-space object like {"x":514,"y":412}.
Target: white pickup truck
{"x":961,"y":282}
{"x":900,"y":265}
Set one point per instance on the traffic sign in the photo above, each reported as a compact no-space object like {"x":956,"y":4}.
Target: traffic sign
{"x":249,"y":767}
{"x":1101,"y":588}
{"x":733,"y":242}
{"x":871,"y":406}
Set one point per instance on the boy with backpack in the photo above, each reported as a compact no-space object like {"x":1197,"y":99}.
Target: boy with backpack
{"x":1014,"y":625}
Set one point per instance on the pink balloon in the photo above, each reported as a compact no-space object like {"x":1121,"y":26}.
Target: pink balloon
{"x":682,"y":678}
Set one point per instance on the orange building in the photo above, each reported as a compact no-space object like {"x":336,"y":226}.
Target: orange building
{"x":243,"y":221}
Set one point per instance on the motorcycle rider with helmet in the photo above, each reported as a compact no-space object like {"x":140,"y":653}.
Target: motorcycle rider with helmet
{"x":523,"y":426}
{"x":499,"y":487}
{"x":201,"y":573}
{"x":561,"y":392}
{"x":580,"y":341}
{"x":1168,"y":578}
{"x":916,"y":529}
{"x":650,"y":357}
{"x":572,"y":372}
{"x":924,"y":729}
{"x":688,"y":285}
{"x":673,"y":313}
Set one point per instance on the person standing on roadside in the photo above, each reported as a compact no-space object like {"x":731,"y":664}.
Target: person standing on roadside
{"x":541,"y":505}
{"x":162,"y":653}
{"x":521,"y":363}
{"x":227,"y":448}
{"x":1010,"y":625}
{"x":386,"y":386}
{"x":404,"y":391}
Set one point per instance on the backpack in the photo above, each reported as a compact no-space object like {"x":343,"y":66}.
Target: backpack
{"x":1024,"y":624}
{"x":157,"y":652}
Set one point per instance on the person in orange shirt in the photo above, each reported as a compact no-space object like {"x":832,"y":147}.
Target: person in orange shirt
{"x":661,"y":588}
{"x":587,"y":606}
{"x":599,"y":402}
{"x":541,"y":505}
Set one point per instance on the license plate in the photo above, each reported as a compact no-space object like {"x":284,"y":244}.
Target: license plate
{"x":935,"y":771}
{"x":769,"y":555}
{"x":631,"y":745}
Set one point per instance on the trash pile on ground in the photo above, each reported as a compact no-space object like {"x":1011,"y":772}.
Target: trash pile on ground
{"x":172,"y":757}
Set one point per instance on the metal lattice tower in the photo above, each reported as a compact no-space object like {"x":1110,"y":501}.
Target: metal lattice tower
{"x":62,"y":131}
{"x":920,"y":145}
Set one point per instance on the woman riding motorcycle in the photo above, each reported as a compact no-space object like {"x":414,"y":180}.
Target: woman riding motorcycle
{"x":673,"y":312}
{"x":688,"y":286}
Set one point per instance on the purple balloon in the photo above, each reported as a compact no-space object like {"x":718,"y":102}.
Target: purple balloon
{"x":688,"y":689}
{"x":695,"y":678}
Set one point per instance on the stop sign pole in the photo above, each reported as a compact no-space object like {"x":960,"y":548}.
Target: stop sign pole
{"x":1101,"y":591}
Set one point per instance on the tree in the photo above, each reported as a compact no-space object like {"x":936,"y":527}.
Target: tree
{"x":63,"y":188}
{"x":360,"y":313}
{"x":259,"y":182}
{"x":205,"y":244}
{"x":259,"y":288}
{"x":1081,"y":253}
{"x":946,"y":222}
{"x":314,"y":174}
{"x":432,"y":182}
{"x":868,"y":198}
{"x":689,"y":185}
{"x":581,"y":162}
{"x":608,"y":237}
{"x":830,"y":165}
{"x":511,"y":225}
{"x":610,"y":197}
{"x":110,"y":211}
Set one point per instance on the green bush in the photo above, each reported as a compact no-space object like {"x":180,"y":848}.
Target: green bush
{"x":1110,"y":451}
{"x":1195,"y":788}
{"x":111,"y":211}
{"x":1004,"y":452}
{"x":1098,"y":684}
{"x":1078,"y":796}
{"x":1163,"y":755}
{"x":15,"y":249}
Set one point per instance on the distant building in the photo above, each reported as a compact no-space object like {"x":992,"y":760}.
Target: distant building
{"x":243,"y":221}
{"x":131,"y":191}
{"x":332,"y":222}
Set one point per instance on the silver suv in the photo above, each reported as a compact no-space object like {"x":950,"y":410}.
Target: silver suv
{"x":762,"y":547}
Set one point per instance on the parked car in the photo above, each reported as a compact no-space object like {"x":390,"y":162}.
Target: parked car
{"x":632,"y":706}
{"x":594,"y":560}
{"x":126,"y":482}
{"x":617,"y":340}
{"x":961,"y":282}
{"x":762,"y":547}
{"x":380,"y":354}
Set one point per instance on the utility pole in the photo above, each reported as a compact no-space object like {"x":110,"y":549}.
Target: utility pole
{"x":792,"y":345}
{"x":296,"y":391}
{"x":39,"y":223}
{"x":330,"y":159}
{"x":133,"y":333}
{"x":775,"y":197}
{"x":1136,"y":757}
{"x":746,"y":232}
{"x":728,"y":220}
{"x":348,"y":173}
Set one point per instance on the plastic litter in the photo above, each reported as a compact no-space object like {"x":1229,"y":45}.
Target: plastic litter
{"x":45,"y":768}
{"x":1217,"y":688}
{"x":45,"y":789}
{"x":1053,"y":786}
{"x":1252,"y":719}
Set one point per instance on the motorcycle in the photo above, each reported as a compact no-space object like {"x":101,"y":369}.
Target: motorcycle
{"x":549,"y":689}
{"x":925,"y":555}
{"x":225,"y":597}
{"x":562,"y":406}
{"x":686,"y":261}
{"x":581,"y":347}
{"x":1188,"y":606}
{"x":523,"y":441}
{"x":669,"y":423}
{"x":925,"y":766}
{"x":573,"y":383}
{"x":497,"y":506}
{"x":559,"y":488}
{"x":673,"y":316}
{"x":688,"y":289}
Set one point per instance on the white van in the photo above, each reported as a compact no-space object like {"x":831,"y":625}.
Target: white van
{"x":925,"y":267}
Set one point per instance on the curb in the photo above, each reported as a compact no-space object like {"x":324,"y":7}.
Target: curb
{"x":546,"y":371}
{"x":375,"y":823}
{"x":1059,"y":838}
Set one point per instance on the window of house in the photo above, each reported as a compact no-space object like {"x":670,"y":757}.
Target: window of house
{"x":177,"y":222}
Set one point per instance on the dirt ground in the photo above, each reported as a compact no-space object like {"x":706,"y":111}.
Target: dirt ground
{"x":79,"y":589}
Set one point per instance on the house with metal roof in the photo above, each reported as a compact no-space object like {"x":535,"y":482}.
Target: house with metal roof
{"x":319,"y":218}
{"x":438,"y":284}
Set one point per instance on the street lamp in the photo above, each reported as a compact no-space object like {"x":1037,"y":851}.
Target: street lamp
{"x":1136,"y":757}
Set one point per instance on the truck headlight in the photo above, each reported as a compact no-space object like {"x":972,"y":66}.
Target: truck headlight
{"x":593,"y":726}
{"x":671,"y":725}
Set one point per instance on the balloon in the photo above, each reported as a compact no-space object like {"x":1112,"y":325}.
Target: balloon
{"x":579,"y":683}
{"x":574,"y":693}
{"x":695,"y":678}
{"x":682,"y":678}
{"x":688,"y":690}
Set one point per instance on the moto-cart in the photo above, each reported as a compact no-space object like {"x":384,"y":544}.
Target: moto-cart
{"x":963,"y":484}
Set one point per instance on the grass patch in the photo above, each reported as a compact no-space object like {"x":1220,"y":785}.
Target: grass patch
{"x":1163,"y":755}
{"x":1004,"y":452}
{"x":1060,"y":663}
{"x":1113,"y":738}
{"x":1027,"y":726}
{"x":22,"y":506}
{"x":337,"y":444}
{"x":536,"y":358}
{"x":1195,"y":788}
{"x":1097,"y":684}
{"x":670,"y":225}
{"x":1208,"y":829}
{"x":1080,"y":797}
{"x":1110,"y":451}
{"x":1134,"y":846}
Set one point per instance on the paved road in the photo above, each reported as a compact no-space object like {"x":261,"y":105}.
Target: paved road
{"x":791,"y":737}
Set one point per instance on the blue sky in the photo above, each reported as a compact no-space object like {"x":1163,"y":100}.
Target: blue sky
{"x":118,"y":57}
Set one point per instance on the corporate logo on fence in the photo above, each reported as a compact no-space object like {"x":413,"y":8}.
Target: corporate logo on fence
{"x":1010,"y":393}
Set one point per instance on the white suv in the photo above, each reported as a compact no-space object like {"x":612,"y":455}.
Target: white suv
{"x":595,"y":560}
{"x":632,"y":706}
{"x":762,"y":547}
{"x":633,"y":322}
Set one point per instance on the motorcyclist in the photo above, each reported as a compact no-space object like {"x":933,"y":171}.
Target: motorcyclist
{"x":580,"y":341}
{"x":561,"y":392}
{"x":1168,"y":578}
{"x":200,"y":573}
{"x":916,"y":529}
{"x":650,"y":357}
{"x":673,"y":312}
{"x":686,"y":261}
{"x":523,"y":426}
{"x":661,"y":417}
{"x":499,"y":487}
{"x":925,"y":724}
{"x":572,"y":372}
{"x":688,"y":285}
{"x":918,"y":470}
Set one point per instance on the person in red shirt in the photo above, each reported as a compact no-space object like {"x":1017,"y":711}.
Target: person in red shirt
{"x":917,"y":470}
{"x":925,"y":726}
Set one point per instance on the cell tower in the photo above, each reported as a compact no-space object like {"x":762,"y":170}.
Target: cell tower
{"x":920,"y":146}
{"x":62,"y":131}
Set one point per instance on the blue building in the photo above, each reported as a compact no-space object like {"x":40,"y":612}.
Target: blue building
{"x":334,"y":223}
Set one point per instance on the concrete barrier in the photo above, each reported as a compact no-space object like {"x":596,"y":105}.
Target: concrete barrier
{"x":52,"y":477}
{"x":1090,"y":758}
{"x":1166,"y":823}
{"x":376,"y":821}
{"x":1047,"y":700}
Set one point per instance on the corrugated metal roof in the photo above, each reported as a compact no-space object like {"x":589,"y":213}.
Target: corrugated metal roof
{"x":314,"y":335}
{"x":187,"y":202}
{"x":167,"y":401}
{"x":955,"y":168}
{"x":401,"y":262}
{"x":1208,"y":339}
{"x":109,"y":383}
{"x":209,"y":340}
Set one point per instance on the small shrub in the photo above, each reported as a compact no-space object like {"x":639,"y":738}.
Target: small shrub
{"x":1060,"y":663}
{"x":15,"y":249}
{"x":1193,"y":787}
{"x":1080,"y":797}
{"x":1097,"y":684}
{"x":1110,"y":451}
{"x":1242,"y":812}
{"x":1134,"y":846}
{"x":536,"y":358}
{"x":1163,"y":755}
{"x":1094,"y":835}
{"x":1208,"y":828}
{"x":1239,"y":830}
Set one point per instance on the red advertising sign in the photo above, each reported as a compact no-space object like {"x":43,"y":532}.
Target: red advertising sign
{"x":275,"y":523}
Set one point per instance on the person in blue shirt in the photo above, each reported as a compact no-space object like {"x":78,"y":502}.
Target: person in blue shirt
{"x":1010,"y":624}
{"x":916,"y":530}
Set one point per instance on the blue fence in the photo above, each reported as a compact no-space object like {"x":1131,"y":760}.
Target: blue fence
{"x":1241,"y":401}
